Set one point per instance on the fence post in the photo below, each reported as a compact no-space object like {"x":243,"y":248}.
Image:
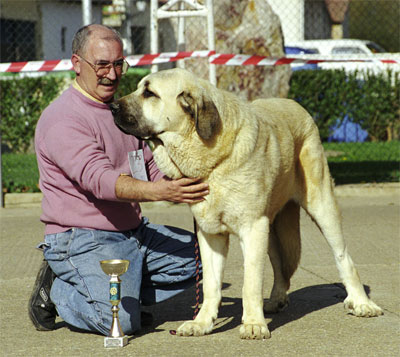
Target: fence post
{"x":1,"y":176}
{"x":153,"y":31}
{"x":193,"y":9}
{"x":86,"y":12}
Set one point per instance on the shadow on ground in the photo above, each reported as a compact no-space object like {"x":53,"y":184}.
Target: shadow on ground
{"x":302,"y":302}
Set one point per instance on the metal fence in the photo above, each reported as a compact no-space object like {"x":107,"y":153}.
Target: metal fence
{"x":33,"y":30}
{"x":43,"y":29}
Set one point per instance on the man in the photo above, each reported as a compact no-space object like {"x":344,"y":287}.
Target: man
{"x":90,"y":207}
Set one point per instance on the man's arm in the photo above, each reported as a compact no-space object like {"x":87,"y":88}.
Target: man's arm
{"x":184,"y":190}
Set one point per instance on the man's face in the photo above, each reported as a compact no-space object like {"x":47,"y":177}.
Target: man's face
{"x":98,"y":51}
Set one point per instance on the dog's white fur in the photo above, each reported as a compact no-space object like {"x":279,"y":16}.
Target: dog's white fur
{"x":262,"y":161}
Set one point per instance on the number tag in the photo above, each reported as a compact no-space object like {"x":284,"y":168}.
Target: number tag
{"x":136,"y":163}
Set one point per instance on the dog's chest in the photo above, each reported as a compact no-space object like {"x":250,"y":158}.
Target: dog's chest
{"x":215,"y":218}
{"x":211,"y":224}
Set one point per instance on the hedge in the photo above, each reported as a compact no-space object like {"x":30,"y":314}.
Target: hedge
{"x":329,"y":96}
{"x":352,"y":163}
{"x":24,"y":99}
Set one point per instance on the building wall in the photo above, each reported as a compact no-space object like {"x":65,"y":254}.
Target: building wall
{"x":291,"y":14}
{"x":61,"y":21}
{"x":52,"y":25}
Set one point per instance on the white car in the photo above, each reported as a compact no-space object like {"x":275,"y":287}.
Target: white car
{"x":349,"y":51}
{"x":344,"y":46}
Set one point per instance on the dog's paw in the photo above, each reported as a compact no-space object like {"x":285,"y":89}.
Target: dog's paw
{"x":254,"y":332}
{"x":364,"y":309}
{"x":274,"y":306}
{"x":192,"y":328}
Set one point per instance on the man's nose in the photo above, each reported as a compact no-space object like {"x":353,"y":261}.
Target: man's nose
{"x":112,"y":75}
{"x":114,"y":107}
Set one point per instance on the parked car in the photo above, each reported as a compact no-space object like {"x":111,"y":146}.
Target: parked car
{"x":343,"y":46}
{"x":349,"y":49}
{"x":297,"y":50}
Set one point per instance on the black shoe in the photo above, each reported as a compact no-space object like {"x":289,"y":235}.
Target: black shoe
{"x":42,"y":311}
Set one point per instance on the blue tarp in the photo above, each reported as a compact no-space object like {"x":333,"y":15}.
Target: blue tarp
{"x":347,"y":132}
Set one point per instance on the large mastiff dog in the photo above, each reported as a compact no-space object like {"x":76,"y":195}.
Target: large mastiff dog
{"x":263,"y":161}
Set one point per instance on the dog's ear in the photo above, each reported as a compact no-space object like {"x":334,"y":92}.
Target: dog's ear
{"x":204,"y":112}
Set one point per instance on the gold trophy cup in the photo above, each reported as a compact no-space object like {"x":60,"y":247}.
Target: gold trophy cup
{"x":114,"y":268}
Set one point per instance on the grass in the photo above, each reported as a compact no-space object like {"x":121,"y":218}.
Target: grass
{"x":364,"y":162}
{"x":348,"y":162}
{"x":19,"y":173}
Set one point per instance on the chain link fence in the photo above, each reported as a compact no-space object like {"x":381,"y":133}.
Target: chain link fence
{"x":43,"y":29}
{"x":33,"y":30}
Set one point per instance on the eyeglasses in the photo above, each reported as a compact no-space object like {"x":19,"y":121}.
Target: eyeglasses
{"x":103,"y":68}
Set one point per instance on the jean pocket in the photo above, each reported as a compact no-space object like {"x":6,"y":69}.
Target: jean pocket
{"x":56,"y":246}
{"x":43,"y":246}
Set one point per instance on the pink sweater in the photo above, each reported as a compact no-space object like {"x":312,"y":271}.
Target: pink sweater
{"x":80,"y":154}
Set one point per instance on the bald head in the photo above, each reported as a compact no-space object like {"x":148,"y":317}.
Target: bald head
{"x":94,"y":31}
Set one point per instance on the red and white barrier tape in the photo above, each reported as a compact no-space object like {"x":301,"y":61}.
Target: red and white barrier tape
{"x":214,"y":58}
{"x":165,"y":57}
{"x":243,"y":60}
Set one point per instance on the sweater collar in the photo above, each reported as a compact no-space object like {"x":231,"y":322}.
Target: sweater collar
{"x":86,"y":94}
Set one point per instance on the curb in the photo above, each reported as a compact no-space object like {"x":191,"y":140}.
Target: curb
{"x":23,"y":200}
{"x":368,"y":189}
{"x":27,"y":200}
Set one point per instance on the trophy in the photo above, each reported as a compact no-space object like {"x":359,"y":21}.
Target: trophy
{"x":114,"y":268}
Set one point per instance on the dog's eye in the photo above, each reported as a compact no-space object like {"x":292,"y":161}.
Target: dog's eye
{"x":148,"y":93}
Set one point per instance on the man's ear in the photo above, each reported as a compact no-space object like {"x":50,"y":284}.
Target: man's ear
{"x":76,"y":63}
{"x":203,"y":111}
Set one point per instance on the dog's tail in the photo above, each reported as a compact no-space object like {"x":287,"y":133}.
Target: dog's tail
{"x":286,"y":229}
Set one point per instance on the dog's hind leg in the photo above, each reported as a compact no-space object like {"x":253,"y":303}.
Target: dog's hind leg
{"x":284,"y":248}
{"x":320,"y":203}
{"x":214,"y":250}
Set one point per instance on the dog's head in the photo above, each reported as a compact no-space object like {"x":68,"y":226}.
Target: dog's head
{"x":165,"y":102}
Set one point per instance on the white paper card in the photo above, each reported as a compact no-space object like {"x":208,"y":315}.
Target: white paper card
{"x":136,"y":163}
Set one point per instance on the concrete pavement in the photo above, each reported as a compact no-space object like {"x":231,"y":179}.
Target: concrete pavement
{"x":315,"y":324}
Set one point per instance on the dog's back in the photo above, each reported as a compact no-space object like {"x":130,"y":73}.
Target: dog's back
{"x":287,"y":117}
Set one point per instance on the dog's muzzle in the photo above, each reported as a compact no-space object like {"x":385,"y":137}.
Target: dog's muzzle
{"x":115,"y":108}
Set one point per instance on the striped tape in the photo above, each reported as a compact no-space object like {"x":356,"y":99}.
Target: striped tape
{"x":214,"y":58}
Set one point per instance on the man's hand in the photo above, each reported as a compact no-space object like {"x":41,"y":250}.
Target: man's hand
{"x":183,"y":190}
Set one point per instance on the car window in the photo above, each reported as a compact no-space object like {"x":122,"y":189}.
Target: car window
{"x":290,"y":50}
{"x":347,"y":49}
{"x":375,"y":48}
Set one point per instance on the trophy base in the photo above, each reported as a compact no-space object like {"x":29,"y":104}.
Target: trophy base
{"x":110,"y":342}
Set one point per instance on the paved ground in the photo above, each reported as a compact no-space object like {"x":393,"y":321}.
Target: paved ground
{"x":315,"y":324}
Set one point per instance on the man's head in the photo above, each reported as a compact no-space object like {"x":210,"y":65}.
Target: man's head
{"x":97,"y":57}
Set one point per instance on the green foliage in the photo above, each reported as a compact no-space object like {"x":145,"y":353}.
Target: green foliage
{"x":20,"y":173}
{"x":362,"y":152}
{"x":375,"y":104}
{"x":364,"y":162}
{"x":130,"y":81}
{"x":372,"y":102}
{"x":352,"y":163}
{"x":327,"y":95}
{"x":321,"y":94}
{"x":22,"y":101}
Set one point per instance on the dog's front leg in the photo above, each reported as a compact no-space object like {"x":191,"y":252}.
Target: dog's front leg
{"x":213,"y":249}
{"x":254,"y":243}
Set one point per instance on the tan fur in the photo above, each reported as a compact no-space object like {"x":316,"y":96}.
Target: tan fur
{"x":262,"y":160}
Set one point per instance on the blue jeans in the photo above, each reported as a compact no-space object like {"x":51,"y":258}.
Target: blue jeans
{"x":162,"y":264}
